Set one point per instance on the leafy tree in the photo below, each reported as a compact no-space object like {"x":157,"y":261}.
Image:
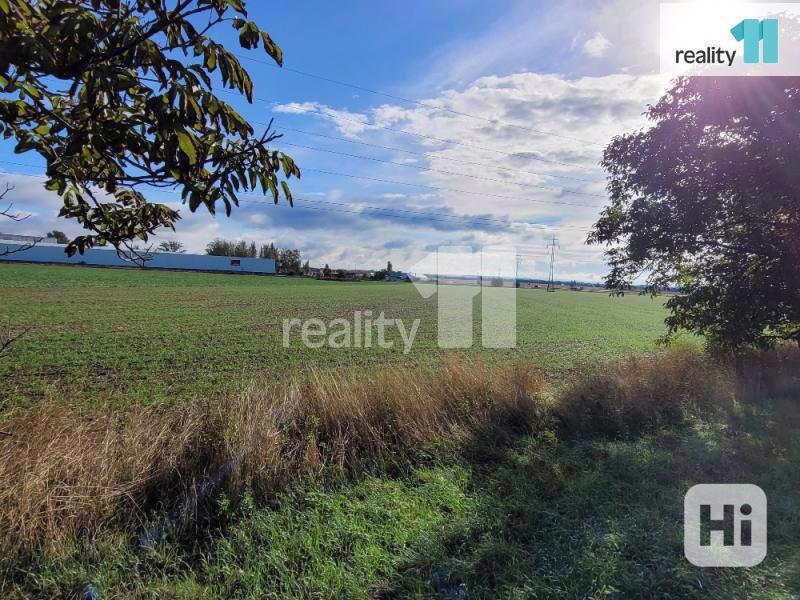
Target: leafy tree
{"x":59,"y":236}
{"x":269,"y":251}
{"x":288,"y":261}
{"x":326,"y":271}
{"x":306,"y":268}
{"x":171,"y":246}
{"x":706,"y":200}
{"x":116,"y":96}
{"x":219,"y":247}
{"x":239,"y":249}
{"x":389,"y":267}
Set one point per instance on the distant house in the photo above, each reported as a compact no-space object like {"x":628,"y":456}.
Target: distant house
{"x":398,"y":276}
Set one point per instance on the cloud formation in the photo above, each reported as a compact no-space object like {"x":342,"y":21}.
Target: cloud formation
{"x":526,"y":169}
{"x":596,"y":46}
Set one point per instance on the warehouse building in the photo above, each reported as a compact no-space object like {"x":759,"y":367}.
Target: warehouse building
{"x":39,"y":250}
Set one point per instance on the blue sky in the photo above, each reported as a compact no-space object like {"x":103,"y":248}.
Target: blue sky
{"x":562,"y":79}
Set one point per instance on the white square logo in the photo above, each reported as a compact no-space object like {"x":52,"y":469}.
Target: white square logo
{"x":725,"y":525}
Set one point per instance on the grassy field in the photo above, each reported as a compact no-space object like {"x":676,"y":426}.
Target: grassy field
{"x":155,"y":447}
{"x":115,"y":337}
{"x":557,"y":506}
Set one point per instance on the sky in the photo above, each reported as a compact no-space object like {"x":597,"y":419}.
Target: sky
{"x":512,"y":103}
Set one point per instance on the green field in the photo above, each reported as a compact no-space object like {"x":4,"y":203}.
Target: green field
{"x":579,"y":497}
{"x":112,"y":336}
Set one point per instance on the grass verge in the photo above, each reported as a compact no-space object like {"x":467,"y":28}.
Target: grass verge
{"x":403,"y":486}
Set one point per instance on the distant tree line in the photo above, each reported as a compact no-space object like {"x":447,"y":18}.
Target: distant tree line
{"x":383,"y":274}
{"x":287,"y":260}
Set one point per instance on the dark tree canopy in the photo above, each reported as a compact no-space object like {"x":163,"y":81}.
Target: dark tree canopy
{"x":708,"y":200}
{"x":59,"y":236}
{"x":117,"y":96}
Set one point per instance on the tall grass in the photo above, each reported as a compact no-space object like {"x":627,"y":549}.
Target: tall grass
{"x":640,"y":394}
{"x":67,"y":475}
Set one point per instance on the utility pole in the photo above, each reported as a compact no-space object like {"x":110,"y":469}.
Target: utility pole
{"x":551,"y":286}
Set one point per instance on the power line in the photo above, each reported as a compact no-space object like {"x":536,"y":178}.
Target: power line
{"x":415,"y":134}
{"x":386,"y":211}
{"x":418,"y":102}
{"x":420,"y":168}
{"x":447,"y":189}
{"x":392,"y":212}
{"x":442,"y":140}
{"x":409,"y":184}
{"x":427,"y":156}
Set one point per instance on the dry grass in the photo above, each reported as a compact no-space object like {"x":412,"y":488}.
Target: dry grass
{"x":66,"y":475}
{"x":643,"y":394}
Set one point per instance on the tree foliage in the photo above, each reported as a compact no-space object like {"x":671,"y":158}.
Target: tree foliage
{"x":289,"y":261}
{"x":268,"y":251}
{"x":117,"y":97}
{"x":173,"y":246}
{"x":707,"y":200}
{"x":59,"y":236}
{"x":286,"y":260}
{"x":239,"y":249}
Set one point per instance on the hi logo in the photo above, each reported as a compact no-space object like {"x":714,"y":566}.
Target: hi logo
{"x":457,"y":275}
{"x":760,"y":38}
{"x":725,"y":525}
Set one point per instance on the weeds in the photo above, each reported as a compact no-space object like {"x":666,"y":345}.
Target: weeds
{"x":152,"y":472}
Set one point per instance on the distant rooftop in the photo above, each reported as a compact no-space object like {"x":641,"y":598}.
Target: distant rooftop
{"x":26,"y":239}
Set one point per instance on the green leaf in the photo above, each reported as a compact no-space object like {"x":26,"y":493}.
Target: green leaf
{"x":187,"y":146}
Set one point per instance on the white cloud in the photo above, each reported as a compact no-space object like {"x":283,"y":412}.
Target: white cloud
{"x":348,"y":123}
{"x":596,"y":46}
{"x":533,"y":176}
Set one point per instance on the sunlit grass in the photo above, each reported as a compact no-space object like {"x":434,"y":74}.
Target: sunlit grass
{"x":113,"y":336}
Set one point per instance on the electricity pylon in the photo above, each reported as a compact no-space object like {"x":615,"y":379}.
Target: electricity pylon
{"x":551,"y":286}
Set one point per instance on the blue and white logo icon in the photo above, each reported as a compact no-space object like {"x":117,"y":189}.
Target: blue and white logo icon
{"x":760,"y":40}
